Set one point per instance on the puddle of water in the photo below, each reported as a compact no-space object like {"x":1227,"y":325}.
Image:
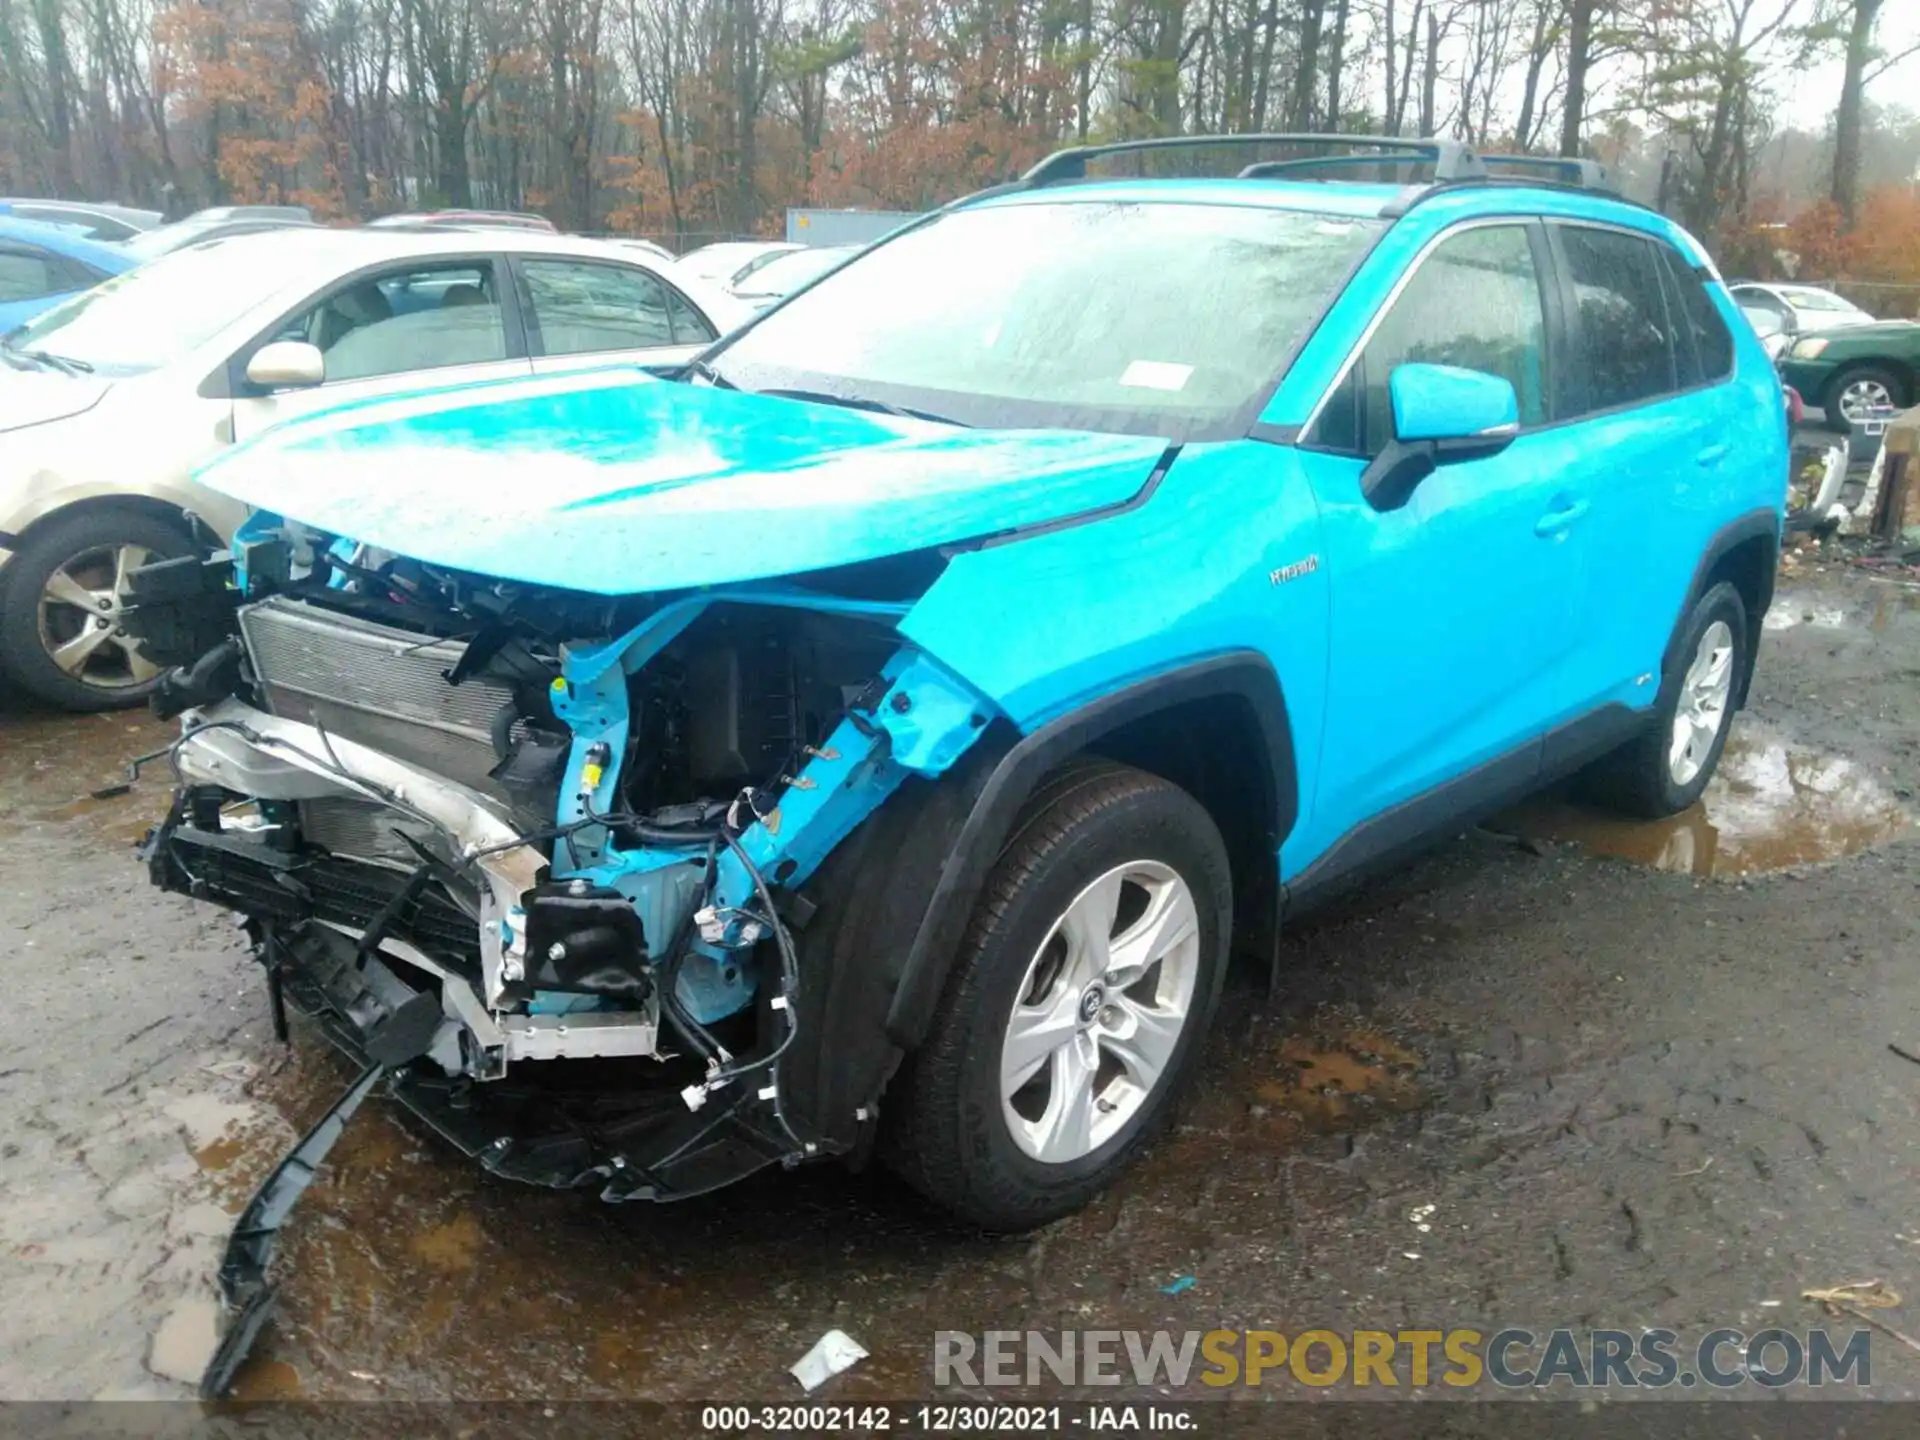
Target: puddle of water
{"x":1771,"y":806}
{"x":1324,"y":1084}
{"x":267,"y":1380}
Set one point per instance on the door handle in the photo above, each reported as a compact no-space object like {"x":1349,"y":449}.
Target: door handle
{"x":1561,"y":518}
{"x":1713,"y":455}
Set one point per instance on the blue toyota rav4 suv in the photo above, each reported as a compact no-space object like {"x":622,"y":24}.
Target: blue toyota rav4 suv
{"x":877,"y":737}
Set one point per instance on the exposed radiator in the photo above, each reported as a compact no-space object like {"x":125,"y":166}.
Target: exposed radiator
{"x":363,"y":830}
{"x":378,"y":686}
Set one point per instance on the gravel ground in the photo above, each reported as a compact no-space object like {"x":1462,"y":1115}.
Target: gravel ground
{"x":1522,"y":1082}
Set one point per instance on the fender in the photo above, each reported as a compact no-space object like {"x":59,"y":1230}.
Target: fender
{"x":1246,"y":674}
{"x":887,"y":910}
{"x":1763,"y":524}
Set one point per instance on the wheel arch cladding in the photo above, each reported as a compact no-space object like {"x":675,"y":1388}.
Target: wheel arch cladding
{"x":1746,"y":554}
{"x":894,"y":899}
{"x":1237,"y":695}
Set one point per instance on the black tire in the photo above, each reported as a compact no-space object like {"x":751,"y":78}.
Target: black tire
{"x":1894,"y":385}
{"x":24,"y":656}
{"x":1638,"y":778}
{"x":943,"y":1127}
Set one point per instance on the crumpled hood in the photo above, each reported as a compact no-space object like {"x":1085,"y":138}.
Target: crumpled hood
{"x":34,"y":397}
{"x":614,"y":482}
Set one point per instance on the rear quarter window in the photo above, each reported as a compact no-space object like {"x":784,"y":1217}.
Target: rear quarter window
{"x":1704,"y":353}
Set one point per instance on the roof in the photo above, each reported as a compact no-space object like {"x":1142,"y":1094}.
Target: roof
{"x":1440,"y":203}
{"x":313,"y":255}
{"x":62,"y":241}
{"x":1355,"y":201}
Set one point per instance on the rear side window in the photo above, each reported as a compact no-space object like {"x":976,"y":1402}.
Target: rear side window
{"x":1474,"y":302}
{"x":28,"y":274}
{"x":1622,"y":342}
{"x":580,"y":308}
{"x":1705,"y":351}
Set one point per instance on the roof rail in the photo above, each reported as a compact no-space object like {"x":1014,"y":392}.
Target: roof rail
{"x":1451,"y":160}
{"x":1552,"y":170}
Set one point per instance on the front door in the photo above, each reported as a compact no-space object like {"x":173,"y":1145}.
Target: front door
{"x":1454,"y":615}
{"x":415,"y":324}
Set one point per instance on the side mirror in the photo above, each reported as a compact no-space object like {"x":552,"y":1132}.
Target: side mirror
{"x":1441,"y":413}
{"x":287,"y":365}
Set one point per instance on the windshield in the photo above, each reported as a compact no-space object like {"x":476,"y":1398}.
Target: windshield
{"x":1171,"y":319}
{"x":1820,"y":300}
{"x":159,"y":311}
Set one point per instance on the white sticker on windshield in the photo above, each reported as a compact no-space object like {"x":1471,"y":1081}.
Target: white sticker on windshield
{"x":1156,"y":375}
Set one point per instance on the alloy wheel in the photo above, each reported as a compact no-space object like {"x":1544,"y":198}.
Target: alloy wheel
{"x":81,"y":610}
{"x":1100,"y":1012}
{"x":1702,"y":708}
{"x":1863,"y":396}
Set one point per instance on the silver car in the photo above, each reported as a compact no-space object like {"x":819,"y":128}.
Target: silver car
{"x":111,"y":401}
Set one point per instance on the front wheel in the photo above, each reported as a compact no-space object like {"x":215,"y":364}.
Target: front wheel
{"x":1858,"y":393}
{"x":1666,"y":768}
{"x":62,"y":600}
{"x":1076,"y":1006}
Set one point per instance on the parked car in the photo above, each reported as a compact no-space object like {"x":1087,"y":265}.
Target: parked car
{"x":41,"y":265}
{"x":781,"y":275}
{"x":1855,"y":371}
{"x":220,"y":223}
{"x":104,"y":223}
{"x":110,"y":401}
{"x":463,"y":220}
{"x":875,"y":740}
{"x":730,"y":261}
{"x":1791,"y":309}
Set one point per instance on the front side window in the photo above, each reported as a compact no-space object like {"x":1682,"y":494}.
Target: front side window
{"x":579,"y":307}
{"x":1473,"y":302}
{"x":1165,"y":318}
{"x":422,"y":317}
{"x":1623,"y":344}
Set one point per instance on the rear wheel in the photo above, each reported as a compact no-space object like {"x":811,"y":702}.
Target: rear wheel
{"x":1076,"y":1006}
{"x":1666,"y":768}
{"x":62,"y":599}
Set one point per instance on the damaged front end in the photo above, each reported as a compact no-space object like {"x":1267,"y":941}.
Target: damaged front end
{"x":479,"y":828}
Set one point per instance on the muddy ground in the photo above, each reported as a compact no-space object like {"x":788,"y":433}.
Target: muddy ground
{"x":1617,"y":1092}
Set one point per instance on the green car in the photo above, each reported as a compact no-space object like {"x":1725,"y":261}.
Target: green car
{"x":1851,"y":371}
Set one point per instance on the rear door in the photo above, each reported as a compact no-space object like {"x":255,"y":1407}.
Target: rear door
{"x":1648,"y":365}
{"x":398,"y":327}
{"x":585,"y":312}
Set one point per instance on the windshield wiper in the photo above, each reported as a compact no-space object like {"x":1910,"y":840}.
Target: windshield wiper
{"x":861,"y":402}
{"x":66,"y":364}
{"x":707,"y":373}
